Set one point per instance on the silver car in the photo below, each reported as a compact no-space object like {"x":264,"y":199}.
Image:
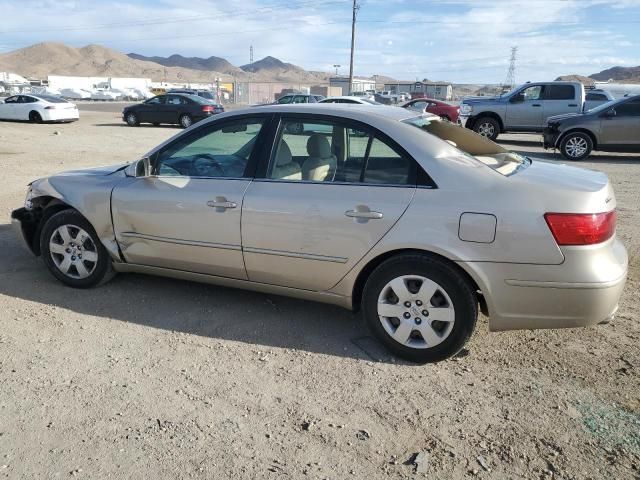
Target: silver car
{"x":415,"y":221}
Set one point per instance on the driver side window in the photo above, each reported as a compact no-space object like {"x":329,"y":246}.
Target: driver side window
{"x":532,"y":93}
{"x":221,"y":151}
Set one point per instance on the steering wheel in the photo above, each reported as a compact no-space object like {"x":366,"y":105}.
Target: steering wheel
{"x":211,"y":163}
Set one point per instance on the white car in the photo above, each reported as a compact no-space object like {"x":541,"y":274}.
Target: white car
{"x":350,"y":99}
{"x":75,"y":93}
{"x":38,"y":108}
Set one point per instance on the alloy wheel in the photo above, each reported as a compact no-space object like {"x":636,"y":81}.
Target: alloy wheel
{"x":73,"y":251}
{"x":416,"y":311}
{"x":486,"y":129}
{"x":576,"y":147}
{"x":186,"y":121}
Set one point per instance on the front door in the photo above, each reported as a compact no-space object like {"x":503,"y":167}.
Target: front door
{"x":622,"y":130}
{"x":331,"y":191}
{"x":151,"y":111}
{"x":9,"y":108}
{"x":524,"y":110}
{"x":186,"y":215}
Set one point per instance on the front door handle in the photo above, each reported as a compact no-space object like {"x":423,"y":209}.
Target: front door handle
{"x":362,"y":212}
{"x":573,"y":104}
{"x":536,"y":105}
{"x":221,"y":204}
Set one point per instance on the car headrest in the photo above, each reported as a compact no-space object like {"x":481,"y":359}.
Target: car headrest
{"x":283,"y":157}
{"x":318,"y":146}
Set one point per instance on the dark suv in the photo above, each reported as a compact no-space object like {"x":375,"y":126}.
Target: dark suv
{"x":611,"y":127}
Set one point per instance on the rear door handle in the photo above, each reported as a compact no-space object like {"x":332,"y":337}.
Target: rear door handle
{"x":573,"y":104}
{"x":221,"y":203}
{"x":536,"y":105}
{"x":362,"y":212}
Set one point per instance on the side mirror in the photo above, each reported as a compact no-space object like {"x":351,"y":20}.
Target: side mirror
{"x":610,"y":113}
{"x":517,"y":98}
{"x":140,"y":168}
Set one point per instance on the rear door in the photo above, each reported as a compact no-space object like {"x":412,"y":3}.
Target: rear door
{"x":623,"y":129}
{"x":560,"y":99}
{"x":308,"y":232}
{"x":524,"y":110}
{"x":174,"y":107}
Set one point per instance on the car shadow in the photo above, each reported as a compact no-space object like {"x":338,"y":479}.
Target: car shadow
{"x":531,"y":149}
{"x":195,"y":308}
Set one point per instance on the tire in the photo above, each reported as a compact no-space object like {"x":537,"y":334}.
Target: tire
{"x":185,"y":120}
{"x":132,"y":119}
{"x":35,"y":117}
{"x":445,"y":117}
{"x":576,"y":146}
{"x":64,"y":261}
{"x":421,"y":337}
{"x":156,"y":124}
{"x":487,"y":127}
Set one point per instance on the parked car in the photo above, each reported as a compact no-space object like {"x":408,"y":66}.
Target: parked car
{"x":201,"y":93}
{"x":444,"y":110}
{"x":596,"y":97}
{"x":299,"y":98}
{"x":38,"y":109}
{"x":366,"y":94}
{"x":175,"y":108}
{"x":353,"y":100}
{"x":524,"y":109}
{"x":611,"y":127}
{"x":375,"y":221}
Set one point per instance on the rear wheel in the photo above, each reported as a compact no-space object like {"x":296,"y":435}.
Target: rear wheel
{"x":156,"y":124}
{"x":35,"y":117}
{"x":419,"y":307}
{"x":72,"y":251}
{"x":132,"y":119}
{"x":487,"y":127}
{"x":186,"y":121}
{"x":576,"y":146}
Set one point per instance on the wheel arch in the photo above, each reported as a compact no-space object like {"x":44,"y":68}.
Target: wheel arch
{"x":365,"y":272}
{"x":45,"y":207}
{"x":586,"y":131}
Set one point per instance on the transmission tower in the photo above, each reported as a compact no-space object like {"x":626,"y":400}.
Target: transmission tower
{"x":251,"y":54}
{"x":510,"y":81}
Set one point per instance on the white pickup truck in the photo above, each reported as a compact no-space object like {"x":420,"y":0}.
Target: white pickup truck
{"x":524,"y":109}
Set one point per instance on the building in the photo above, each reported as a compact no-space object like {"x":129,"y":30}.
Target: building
{"x":358,"y":85}
{"x":437,"y":90}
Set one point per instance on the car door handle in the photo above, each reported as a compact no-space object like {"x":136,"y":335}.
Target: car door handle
{"x":536,"y":105}
{"x":221,"y":203}
{"x":363,"y":212}
{"x":573,"y":104}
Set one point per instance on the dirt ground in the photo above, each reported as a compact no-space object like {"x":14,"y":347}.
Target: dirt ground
{"x":155,"y":378}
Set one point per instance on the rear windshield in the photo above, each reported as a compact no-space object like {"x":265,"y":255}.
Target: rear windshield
{"x":473,"y":145}
{"x":52,"y":99}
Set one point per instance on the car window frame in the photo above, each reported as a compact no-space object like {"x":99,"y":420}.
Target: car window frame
{"x":419,"y":177}
{"x":162,"y":98}
{"x":252,"y":163}
{"x":549,"y":88}
{"x":14,"y":99}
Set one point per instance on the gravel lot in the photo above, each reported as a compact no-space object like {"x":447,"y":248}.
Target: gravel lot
{"x":155,"y":378}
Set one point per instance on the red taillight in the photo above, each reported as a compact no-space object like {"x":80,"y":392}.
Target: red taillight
{"x":581,"y":228}
{"x":207,"y":108}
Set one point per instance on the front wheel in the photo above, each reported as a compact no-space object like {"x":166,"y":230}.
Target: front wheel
{"x":421,"y":308}
{"x":487,"y":127}
{"x":132,"y":119}
{"x":576,"y":146}
{"x":72,"y":251}
{"x":186,"y":121}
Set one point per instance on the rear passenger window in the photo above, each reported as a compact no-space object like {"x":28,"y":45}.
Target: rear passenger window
{"x":596,"y":96}
{"x":560,"y":92}
{"x":337,"y":152}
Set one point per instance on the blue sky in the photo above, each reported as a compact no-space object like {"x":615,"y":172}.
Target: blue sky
{"x":464,"y":41}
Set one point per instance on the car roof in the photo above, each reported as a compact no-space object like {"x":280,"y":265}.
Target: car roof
{"x":356,"y":112}
{"x":344,"y":97}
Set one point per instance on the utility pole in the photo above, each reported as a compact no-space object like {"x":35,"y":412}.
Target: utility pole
{"x":251,"y":54}
{"x":353,"y":41}
{"x":510,"y":81}
{"x":337,"y":67}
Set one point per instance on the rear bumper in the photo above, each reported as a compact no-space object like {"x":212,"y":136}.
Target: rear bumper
{"x":584,"y":290}
{"x":61,"y":115}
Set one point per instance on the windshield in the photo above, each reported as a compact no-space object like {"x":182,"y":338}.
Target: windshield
{"x":473,"y":145}
{"x":603,"y":107}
